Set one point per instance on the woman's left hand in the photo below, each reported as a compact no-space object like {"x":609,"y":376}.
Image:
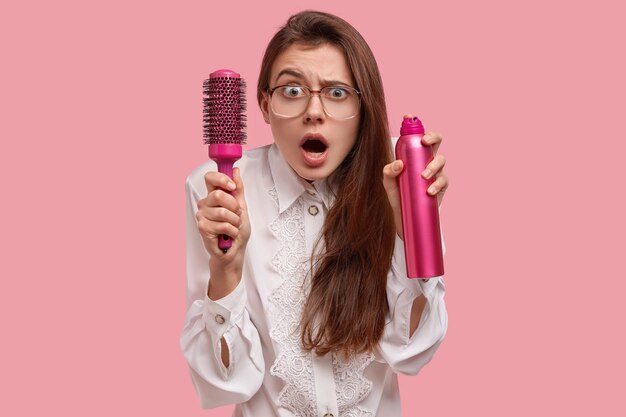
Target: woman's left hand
{"x":438,"y":187}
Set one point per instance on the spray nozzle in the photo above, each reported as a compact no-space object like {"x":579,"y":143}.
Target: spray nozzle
{"x":411,"y":125}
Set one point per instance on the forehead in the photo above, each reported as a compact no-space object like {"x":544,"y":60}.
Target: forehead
{"x":325,"y":62}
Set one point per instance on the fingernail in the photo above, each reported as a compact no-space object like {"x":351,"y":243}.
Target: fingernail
{"x":396,"y":166}
{"x":431,"y":190}
{"x":426,"y":173}
{"x":231,"y":185}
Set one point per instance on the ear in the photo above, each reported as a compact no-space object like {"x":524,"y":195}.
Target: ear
{"x":265,"y":108}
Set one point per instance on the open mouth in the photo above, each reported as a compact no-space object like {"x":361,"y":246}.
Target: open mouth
{"x":314,"y":149}
{"x":314,"y":146}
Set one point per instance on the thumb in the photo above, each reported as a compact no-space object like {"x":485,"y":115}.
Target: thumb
{"x":239,"y":192}
{"x":390,"y":182}
{"x":390,"y":173}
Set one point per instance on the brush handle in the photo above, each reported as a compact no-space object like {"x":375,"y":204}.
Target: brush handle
{"x":225,"y":155}
{"x":225,"y":167}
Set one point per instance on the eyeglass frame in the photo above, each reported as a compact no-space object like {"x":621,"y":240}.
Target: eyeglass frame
{"x":270,"y":92}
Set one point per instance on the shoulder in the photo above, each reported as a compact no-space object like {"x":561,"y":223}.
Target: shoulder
{"x":253,"y":161}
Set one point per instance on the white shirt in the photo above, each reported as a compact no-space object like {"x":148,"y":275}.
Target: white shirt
{"x":269,"y":374}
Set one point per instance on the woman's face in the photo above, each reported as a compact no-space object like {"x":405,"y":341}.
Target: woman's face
{"x":313,"y":143}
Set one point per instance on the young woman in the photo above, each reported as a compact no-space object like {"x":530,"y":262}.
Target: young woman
{"x":310,"y":313}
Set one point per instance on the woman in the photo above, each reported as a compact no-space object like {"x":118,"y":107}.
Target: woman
{"x":310,"y":313}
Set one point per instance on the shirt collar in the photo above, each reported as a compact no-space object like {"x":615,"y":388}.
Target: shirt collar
{"x":289,"y":185}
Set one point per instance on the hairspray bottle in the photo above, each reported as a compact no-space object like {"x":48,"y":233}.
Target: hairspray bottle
{"x":420,"y":213}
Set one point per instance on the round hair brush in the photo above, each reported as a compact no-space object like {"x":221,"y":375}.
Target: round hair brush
{"x":224,"y":123}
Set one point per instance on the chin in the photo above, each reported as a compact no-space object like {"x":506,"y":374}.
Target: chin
{"x":313,"y":174}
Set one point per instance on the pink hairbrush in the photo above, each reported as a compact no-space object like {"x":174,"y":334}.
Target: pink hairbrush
{"x":224,"y":123}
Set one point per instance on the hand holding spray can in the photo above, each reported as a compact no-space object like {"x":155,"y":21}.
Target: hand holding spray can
{"x":420,"y":213}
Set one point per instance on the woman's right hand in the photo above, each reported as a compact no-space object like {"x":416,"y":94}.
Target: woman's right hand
{"x":218,"y":214}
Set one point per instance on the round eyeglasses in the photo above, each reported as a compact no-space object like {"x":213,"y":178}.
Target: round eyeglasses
{"x":338,"y":102}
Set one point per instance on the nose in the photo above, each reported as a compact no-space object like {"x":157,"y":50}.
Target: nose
{"x":314,"y":109}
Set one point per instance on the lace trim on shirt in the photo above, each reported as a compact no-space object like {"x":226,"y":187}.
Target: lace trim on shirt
{"x":350,"y":384}
{"x":293,"y":365}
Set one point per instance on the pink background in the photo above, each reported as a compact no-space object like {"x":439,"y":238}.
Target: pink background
{"x":101,"y":123}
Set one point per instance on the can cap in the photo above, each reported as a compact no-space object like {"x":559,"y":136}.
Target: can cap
{"x":411,"y":125}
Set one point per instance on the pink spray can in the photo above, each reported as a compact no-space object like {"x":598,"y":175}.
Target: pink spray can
{"x":420,"y":213}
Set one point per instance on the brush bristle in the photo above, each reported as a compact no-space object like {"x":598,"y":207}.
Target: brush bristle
{"x":224,"y":113}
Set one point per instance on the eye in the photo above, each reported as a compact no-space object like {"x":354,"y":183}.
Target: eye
{"x":337,"y":93}
{"x":293,"y":91}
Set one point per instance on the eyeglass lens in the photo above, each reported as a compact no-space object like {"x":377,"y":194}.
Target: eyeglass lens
{"x":338,"y":102}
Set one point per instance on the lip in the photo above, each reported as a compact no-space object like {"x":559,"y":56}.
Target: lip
{"x":317,"y":136}
{"x":310,"y":160}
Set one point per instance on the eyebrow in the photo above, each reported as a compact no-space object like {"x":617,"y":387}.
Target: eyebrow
{"x":297,"y":74}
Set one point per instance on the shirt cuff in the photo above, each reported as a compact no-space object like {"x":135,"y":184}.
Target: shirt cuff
{"x":221,"y":314}
{"x":416,"y":285}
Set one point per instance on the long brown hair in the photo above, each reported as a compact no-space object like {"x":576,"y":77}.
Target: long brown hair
{"x":345,"y":310}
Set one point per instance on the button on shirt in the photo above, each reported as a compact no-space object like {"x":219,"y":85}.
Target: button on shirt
{"x":257,"y":320}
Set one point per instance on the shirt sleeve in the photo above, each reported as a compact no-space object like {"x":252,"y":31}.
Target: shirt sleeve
{"x":406,"y":353}
{"x":207,"y":321}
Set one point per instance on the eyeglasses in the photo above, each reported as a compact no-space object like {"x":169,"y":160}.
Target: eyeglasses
{"x":338,"y":102}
